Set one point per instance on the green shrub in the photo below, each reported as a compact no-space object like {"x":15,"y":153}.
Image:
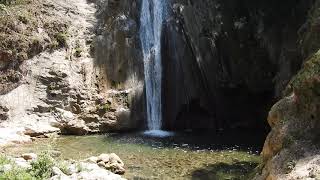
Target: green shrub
{"x":78,"y":52}
{"x":62,"y":39}
{"x":42,"y":168}
{"x":4,"y":160}
{"x":16,"y":173}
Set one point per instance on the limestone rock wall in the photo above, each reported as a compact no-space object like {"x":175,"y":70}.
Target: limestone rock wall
{"x":291,"y":150}
{"x":229,"y":59}
{"x":118,"y":56}
{"x":60,"y":90}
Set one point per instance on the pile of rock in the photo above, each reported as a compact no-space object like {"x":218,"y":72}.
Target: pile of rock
{"x":84,"y":170}
{"x":110,"y":162}
{"x":105,"y":166}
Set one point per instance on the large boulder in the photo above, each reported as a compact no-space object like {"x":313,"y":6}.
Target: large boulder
{"x":111,"y":162}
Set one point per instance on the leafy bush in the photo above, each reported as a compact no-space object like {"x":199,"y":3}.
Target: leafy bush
{"x":16,"y":173}
{"x":4,"y":160}
{"x":78,"y":52}
{"x":42,"y":168}
{"x":61,"y":39}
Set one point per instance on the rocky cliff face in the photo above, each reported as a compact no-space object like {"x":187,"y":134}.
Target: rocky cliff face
{"x":291,"y":150}
{"x":57,"y":87}
{"x":229,"y":59}
{"x":118,"y":56}
{"x":222,"y":59}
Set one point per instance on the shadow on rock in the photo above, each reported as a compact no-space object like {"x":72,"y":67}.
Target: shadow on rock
{"x":223,"y":171}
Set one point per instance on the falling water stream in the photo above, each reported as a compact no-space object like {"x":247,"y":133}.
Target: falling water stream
{"x":152,"y":16}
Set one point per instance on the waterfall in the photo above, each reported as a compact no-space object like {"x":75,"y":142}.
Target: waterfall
{"x":151,"y":19}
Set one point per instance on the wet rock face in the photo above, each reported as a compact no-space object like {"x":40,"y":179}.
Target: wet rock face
{"x":117,"y":43}
{"x":118,"y":56}
{"x":229,"y":59}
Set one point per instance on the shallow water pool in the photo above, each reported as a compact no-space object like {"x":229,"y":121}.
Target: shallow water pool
{"x":182,"y":156}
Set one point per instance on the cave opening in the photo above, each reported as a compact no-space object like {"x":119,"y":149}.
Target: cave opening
{"x":239,"y":118}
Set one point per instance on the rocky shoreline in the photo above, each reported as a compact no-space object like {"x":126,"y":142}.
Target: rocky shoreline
{"x":103,"y":167}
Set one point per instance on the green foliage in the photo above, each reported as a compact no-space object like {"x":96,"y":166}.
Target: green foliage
{"x":54,"y":45}
{"x":78,"y":52}
{"x":63,"y":166}
{"x":288,"y":141}
{"x":11,"y":2}
{"x":42,"y":168}
{"x":62,"y":39}
{"x":306,"y":84}
{"x":4,"y":160}
{"x":7,"y":2}
{"x":16,"y":173}
{"x":106,"y":107}
{"x":79,"y":167}
{"x":2,"y":7}
{"x":103,"y":108}
{"x":310,"y":39}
